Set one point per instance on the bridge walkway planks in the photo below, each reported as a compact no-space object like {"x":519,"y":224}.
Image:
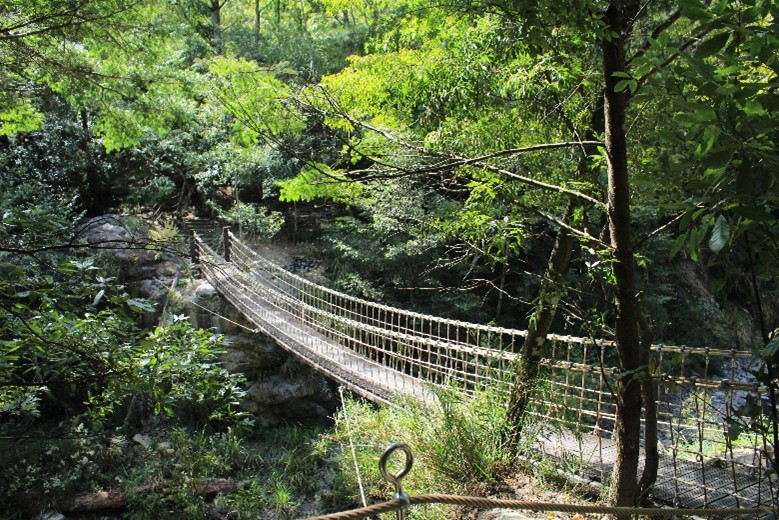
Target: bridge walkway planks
{"x":682,"y":483}
{"x":363,"y":376}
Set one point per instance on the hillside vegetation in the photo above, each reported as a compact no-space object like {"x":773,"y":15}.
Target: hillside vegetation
{"x":602,"y":168}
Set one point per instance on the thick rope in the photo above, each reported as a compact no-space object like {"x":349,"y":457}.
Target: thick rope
{"x":253,"y":262}
{"x":300,"y":282}
{"x":494,"y":503}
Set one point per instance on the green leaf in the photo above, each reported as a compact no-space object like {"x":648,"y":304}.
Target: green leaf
{"x":678,"y":244}
{"x":140,"y":304}
{"x":753,"y":213}
{"x":718,"y":159}
{"x":712,"y":45}
{"x":626,"y":83}
{"x":770,"y":349}
{"x":753,"y":108}
{"x":744,"y":185}
{"x":720,"y":235}
{"x":98,"y":297}
{"x":694,"y":10}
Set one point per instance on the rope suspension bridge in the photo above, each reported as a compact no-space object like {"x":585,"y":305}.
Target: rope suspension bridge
{"x":387,"y":354}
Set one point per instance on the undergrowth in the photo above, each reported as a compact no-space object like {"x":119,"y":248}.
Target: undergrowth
{"x":285,"y":472}
{"x":455,"y":443}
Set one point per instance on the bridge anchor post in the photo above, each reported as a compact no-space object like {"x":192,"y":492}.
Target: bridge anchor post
{"x":226,"y":241}
{"x":193,"y":250}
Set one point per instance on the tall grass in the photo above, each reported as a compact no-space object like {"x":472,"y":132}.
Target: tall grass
{"x":455,"y":442}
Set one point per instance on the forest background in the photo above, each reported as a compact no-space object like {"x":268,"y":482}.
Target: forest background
{"x":598,"y":168}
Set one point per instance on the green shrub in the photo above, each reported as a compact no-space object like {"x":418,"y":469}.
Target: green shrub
{"x":455,"y":443}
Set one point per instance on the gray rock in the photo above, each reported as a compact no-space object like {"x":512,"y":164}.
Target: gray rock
{"x":277,"y":389}
{"x":50,"y":515}
{"x":205,"y":291}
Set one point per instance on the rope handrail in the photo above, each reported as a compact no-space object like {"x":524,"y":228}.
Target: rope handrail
{"x":396,"y":504}
{"x":220,"y":273}
{"x":386,"y":351}
{"x":304,"y":281}
{"x":420,"y":340}
{"x":432,"y":367}
{"x":574,"y":340}
{"x":462,"y":347}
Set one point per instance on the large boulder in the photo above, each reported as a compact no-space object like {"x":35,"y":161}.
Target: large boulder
{"x":147,"y":272}
{"x":303,"y":395}
{"x":279,"y":388}
{"x":252,"y":353}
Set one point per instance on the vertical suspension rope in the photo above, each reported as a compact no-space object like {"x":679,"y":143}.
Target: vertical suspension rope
{"x":352,"y":448}
{"x":226,"y":242}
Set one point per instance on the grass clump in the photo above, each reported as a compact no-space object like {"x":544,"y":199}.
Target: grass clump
{"x":456,"y":442}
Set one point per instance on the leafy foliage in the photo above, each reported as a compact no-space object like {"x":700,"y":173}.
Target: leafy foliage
{"x":255,"y":100}
{"x":319,"y":181}
{"x":257,"y":222}
{"x":70,"y":346}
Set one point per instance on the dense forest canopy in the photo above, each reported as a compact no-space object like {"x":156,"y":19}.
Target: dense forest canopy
{"x":604,"y":168}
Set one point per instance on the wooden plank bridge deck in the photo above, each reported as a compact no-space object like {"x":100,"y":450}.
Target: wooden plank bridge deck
{"x":363,"y":376}
{"x":410,"y":357}
{"x":680,"y":483}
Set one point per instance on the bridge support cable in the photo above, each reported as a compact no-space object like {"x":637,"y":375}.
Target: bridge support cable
{"x":360,"y":375}
{"x":379,"y":352}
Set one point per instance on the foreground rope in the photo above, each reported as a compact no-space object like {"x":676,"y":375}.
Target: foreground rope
{"x":490,"y":503}
{"x":402,"y":501}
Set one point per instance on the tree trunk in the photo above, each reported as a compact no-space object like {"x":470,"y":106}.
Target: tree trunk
{"x":303,"y":22}
{"x":90,"y":188}
{"x":649,"y":394}
{"x":257,"y":12}
{"x":216,"y":25}
{"x":627,"y":428}
{"x":91,"y":502}
{"x":549,"y":295}
{"x":501,"y":285}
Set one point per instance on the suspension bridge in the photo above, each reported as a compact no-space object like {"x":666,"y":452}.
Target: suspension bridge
{"x":387,"y":354}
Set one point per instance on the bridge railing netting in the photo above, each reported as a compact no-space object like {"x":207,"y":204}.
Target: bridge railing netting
{"x":700,"y":395}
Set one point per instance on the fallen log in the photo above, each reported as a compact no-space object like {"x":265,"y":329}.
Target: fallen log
{"x":94,"y":501}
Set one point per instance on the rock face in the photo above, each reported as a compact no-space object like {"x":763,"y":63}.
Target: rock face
{"x":145,"y":271}
{"x":280,"y":388}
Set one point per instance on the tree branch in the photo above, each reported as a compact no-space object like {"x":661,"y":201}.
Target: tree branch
{"x":660,"y":29}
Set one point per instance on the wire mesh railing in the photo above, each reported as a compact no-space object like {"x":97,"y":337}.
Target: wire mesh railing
{"x":702,"y":393}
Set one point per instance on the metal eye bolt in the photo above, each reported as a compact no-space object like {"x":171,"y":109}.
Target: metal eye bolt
{"x":395,"y":478}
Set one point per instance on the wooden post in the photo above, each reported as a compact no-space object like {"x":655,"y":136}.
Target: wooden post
{"x":193,"y":250}
{"x":226,"y":240}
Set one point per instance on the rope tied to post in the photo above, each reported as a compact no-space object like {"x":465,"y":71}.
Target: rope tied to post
{"x":401,"y":501}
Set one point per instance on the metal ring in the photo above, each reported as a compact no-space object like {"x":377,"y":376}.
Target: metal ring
{"x":395,"y":478}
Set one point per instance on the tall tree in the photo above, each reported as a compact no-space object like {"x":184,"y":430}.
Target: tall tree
{"x":619,"y":19}
{"x":215,"y":8}
{"x":425,"y":104}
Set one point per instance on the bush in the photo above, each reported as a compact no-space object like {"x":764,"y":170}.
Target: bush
{"x":258,"y":223}
{"x":455,"y":443}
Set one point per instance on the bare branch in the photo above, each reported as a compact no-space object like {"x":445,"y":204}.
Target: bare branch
{"x":659,"y":230}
